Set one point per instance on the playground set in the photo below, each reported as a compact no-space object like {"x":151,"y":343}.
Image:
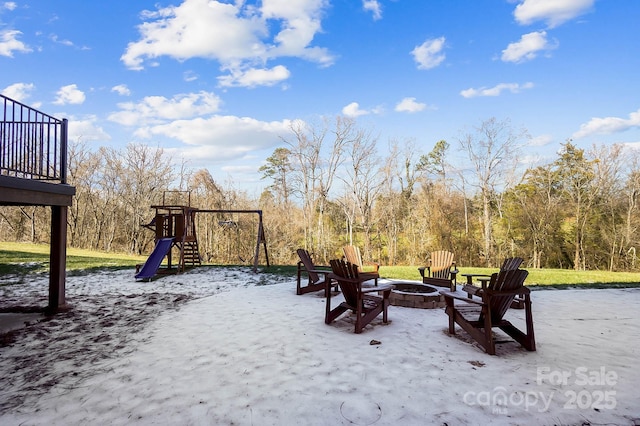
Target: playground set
{"x":175,"y":227}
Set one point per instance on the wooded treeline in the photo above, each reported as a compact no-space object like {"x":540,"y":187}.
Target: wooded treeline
{"x":328,"y":185}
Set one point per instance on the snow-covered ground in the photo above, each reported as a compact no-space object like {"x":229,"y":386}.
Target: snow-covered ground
{"x":218,"y":346}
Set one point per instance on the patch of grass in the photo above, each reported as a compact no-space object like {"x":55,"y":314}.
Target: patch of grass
{"x":562,"y":278}
{"x":539,"y":278}
{"x":22,"y":259}
{"x":548,"y":278}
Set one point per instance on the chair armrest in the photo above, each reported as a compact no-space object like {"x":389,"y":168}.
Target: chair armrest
{"x":421,"y":270}
{"x":455,"y":296}
{"x":516,"y":292}
{"x":358,"y":280}
{"x":319,"y":271}
{"x":376,"y":266}
{"x":471,"y":276}
{"x":483,"y":278}
{"x":427,"y":268}
{"x":454,"y":273}
{"x":471,"y":289}
{"x":366,"y":276}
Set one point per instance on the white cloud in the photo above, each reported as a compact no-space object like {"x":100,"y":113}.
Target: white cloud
{"x":608,"y":125}
{"x":9,"y":5}
{"x":236,"y":34}
{"x":69,"y":94}
{"x":158,"y":109}
{"x":221,"y":137}
{"x":255,"y":77}
{"x":633,"y":145}
{"x":353,"y":110}
{"x":374,"y":7}
{"x":121,"y":89}
{"x":300,"y":21}
{"x":19,"y":91}
{"x":429,"y":54}
{"x":9,"y":43}
{"x":54,"y":38}
{"x":553,"y":12}
{"x":238,"y":169}
{"x":196,"y":28}
{"x":190,"y":76}
{"x":191,"y":120}
{"x":86,"y":129}
{"x":410,"y":105}
{"x":527,"y":47}
{"x":541,"y":140}
{"x":496,"y":90}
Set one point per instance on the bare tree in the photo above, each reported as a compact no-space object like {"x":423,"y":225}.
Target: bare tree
{"x":491,"y":150}
{"x":631,"y":192}
{"x":314,"y":169}
{"x":610,"y":208}
{"x":363,"y":181}
{"x":396,"y":209}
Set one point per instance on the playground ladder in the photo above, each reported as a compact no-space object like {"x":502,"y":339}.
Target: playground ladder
{"x":190,"y":254}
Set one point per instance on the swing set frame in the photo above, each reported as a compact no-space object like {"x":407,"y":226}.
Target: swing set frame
{"x":178,"y":221}
{"x":260,"y":240}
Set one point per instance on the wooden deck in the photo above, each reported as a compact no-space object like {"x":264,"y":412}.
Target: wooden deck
{"x":33,"y":172}
{"x":27,"y":192}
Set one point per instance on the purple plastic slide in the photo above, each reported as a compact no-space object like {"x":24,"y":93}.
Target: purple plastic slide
{"x":152,"y":264}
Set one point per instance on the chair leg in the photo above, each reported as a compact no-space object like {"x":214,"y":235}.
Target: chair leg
{"x":527,"y":340}
{"x":385,"y":305}
{"x":450,"y":310}
{"x":359,"y":326}
{"x":327,"y":304}
{"x":489,"y":344}
{"x":531,"y":339}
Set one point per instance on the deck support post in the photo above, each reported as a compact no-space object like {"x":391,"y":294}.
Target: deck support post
{"x":57,"y":260}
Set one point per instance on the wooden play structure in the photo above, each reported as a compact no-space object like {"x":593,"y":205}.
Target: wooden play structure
{"x":175,"y":232}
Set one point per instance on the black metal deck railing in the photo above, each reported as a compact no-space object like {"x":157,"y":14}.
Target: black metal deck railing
{"x":33,"y":145}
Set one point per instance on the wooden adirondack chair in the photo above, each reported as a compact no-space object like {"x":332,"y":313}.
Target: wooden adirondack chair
{"x":352,"y":254}
{"x":365,"y":302}
{"x":478,"y":315}
{"x":440,"y":270}
{"x":509,"y":264}
{"x":318,"y":276}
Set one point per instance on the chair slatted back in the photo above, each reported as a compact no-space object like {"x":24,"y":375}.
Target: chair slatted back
{"x":353,"y":256}
{"x":502,"y":281}
{"x":441,"y":263}
{"x":348,"y":270}
{"x":511,"y":263}
{"x":306,"y":260}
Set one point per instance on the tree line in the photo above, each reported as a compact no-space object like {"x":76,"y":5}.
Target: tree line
{"x":328,"y":185}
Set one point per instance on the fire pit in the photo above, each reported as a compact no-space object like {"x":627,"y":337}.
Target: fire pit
{"x":416,"y":295}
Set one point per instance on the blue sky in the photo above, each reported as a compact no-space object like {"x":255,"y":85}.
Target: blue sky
{"x":219,"y":82}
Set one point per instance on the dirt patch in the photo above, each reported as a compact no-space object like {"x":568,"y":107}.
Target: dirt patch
{"x":76,"y":342}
